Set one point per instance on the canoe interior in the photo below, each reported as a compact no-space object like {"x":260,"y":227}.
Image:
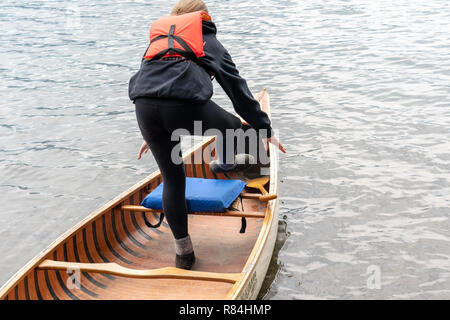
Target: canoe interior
{"x":113,"y":235}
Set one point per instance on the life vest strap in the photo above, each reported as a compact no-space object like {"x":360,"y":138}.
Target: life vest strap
{"x":187,"y":52}
{"x":170,"y":37}
{"x":163,"y":36}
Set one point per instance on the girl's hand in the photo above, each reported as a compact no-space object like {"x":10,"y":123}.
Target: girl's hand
{"x":144,"y":149}
{"x":273,"y":140}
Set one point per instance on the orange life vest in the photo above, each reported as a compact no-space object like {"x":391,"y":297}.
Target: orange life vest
{"x":177,"y":36}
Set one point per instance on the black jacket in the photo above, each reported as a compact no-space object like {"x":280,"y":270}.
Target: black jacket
{"x":188,"y":80}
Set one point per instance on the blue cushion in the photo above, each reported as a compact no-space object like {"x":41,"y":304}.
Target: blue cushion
{"x":202,"y":195}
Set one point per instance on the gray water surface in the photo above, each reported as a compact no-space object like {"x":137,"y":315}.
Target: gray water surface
{"x":360,"y":95}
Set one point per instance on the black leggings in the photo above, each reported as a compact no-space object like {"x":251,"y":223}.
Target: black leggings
{"x":158,"y":119}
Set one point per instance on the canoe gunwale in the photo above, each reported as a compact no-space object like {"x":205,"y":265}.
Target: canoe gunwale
{"x":262,"y":245}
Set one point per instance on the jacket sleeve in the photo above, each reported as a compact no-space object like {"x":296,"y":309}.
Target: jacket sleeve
{"x":219,"y":62}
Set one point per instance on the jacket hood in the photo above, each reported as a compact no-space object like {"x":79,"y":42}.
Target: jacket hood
{"x":209,"y":27}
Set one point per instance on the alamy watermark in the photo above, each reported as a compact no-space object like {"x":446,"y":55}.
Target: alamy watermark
{"x":374,"y":277}
{"x":228,"y":144}
{"x":74,"y":279}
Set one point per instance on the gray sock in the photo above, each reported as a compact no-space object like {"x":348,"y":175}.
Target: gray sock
{"x":183,"y":246}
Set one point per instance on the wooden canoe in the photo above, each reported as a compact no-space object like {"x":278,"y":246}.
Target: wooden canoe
{"x":112,"y":254}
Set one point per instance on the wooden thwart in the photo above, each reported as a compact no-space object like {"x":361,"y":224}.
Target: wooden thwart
{"x":228,"y":213}
{"x":163,"y":273}
{"x":248,"y":195}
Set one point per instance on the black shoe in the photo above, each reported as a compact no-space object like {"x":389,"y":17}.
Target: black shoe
{"x":185,"y":261}
{"x":241,"y":163}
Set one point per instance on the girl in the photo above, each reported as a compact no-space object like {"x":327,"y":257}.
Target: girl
{"x":173,"y":89}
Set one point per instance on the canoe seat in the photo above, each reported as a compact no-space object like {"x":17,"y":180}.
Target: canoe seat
{"x":227,"y":213}
{"x":163,"y":273}
{"x":202,"y":195}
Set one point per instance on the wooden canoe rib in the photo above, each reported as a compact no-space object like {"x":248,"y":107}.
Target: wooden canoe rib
{"x":120,"y":257}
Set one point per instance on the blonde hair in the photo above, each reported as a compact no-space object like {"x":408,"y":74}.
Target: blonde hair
{"x":187,"y":6}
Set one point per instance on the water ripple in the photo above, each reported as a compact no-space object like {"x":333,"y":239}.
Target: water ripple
{"x":360,"y":94}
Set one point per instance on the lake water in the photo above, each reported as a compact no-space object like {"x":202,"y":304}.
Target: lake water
{"x":360,"y":95}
